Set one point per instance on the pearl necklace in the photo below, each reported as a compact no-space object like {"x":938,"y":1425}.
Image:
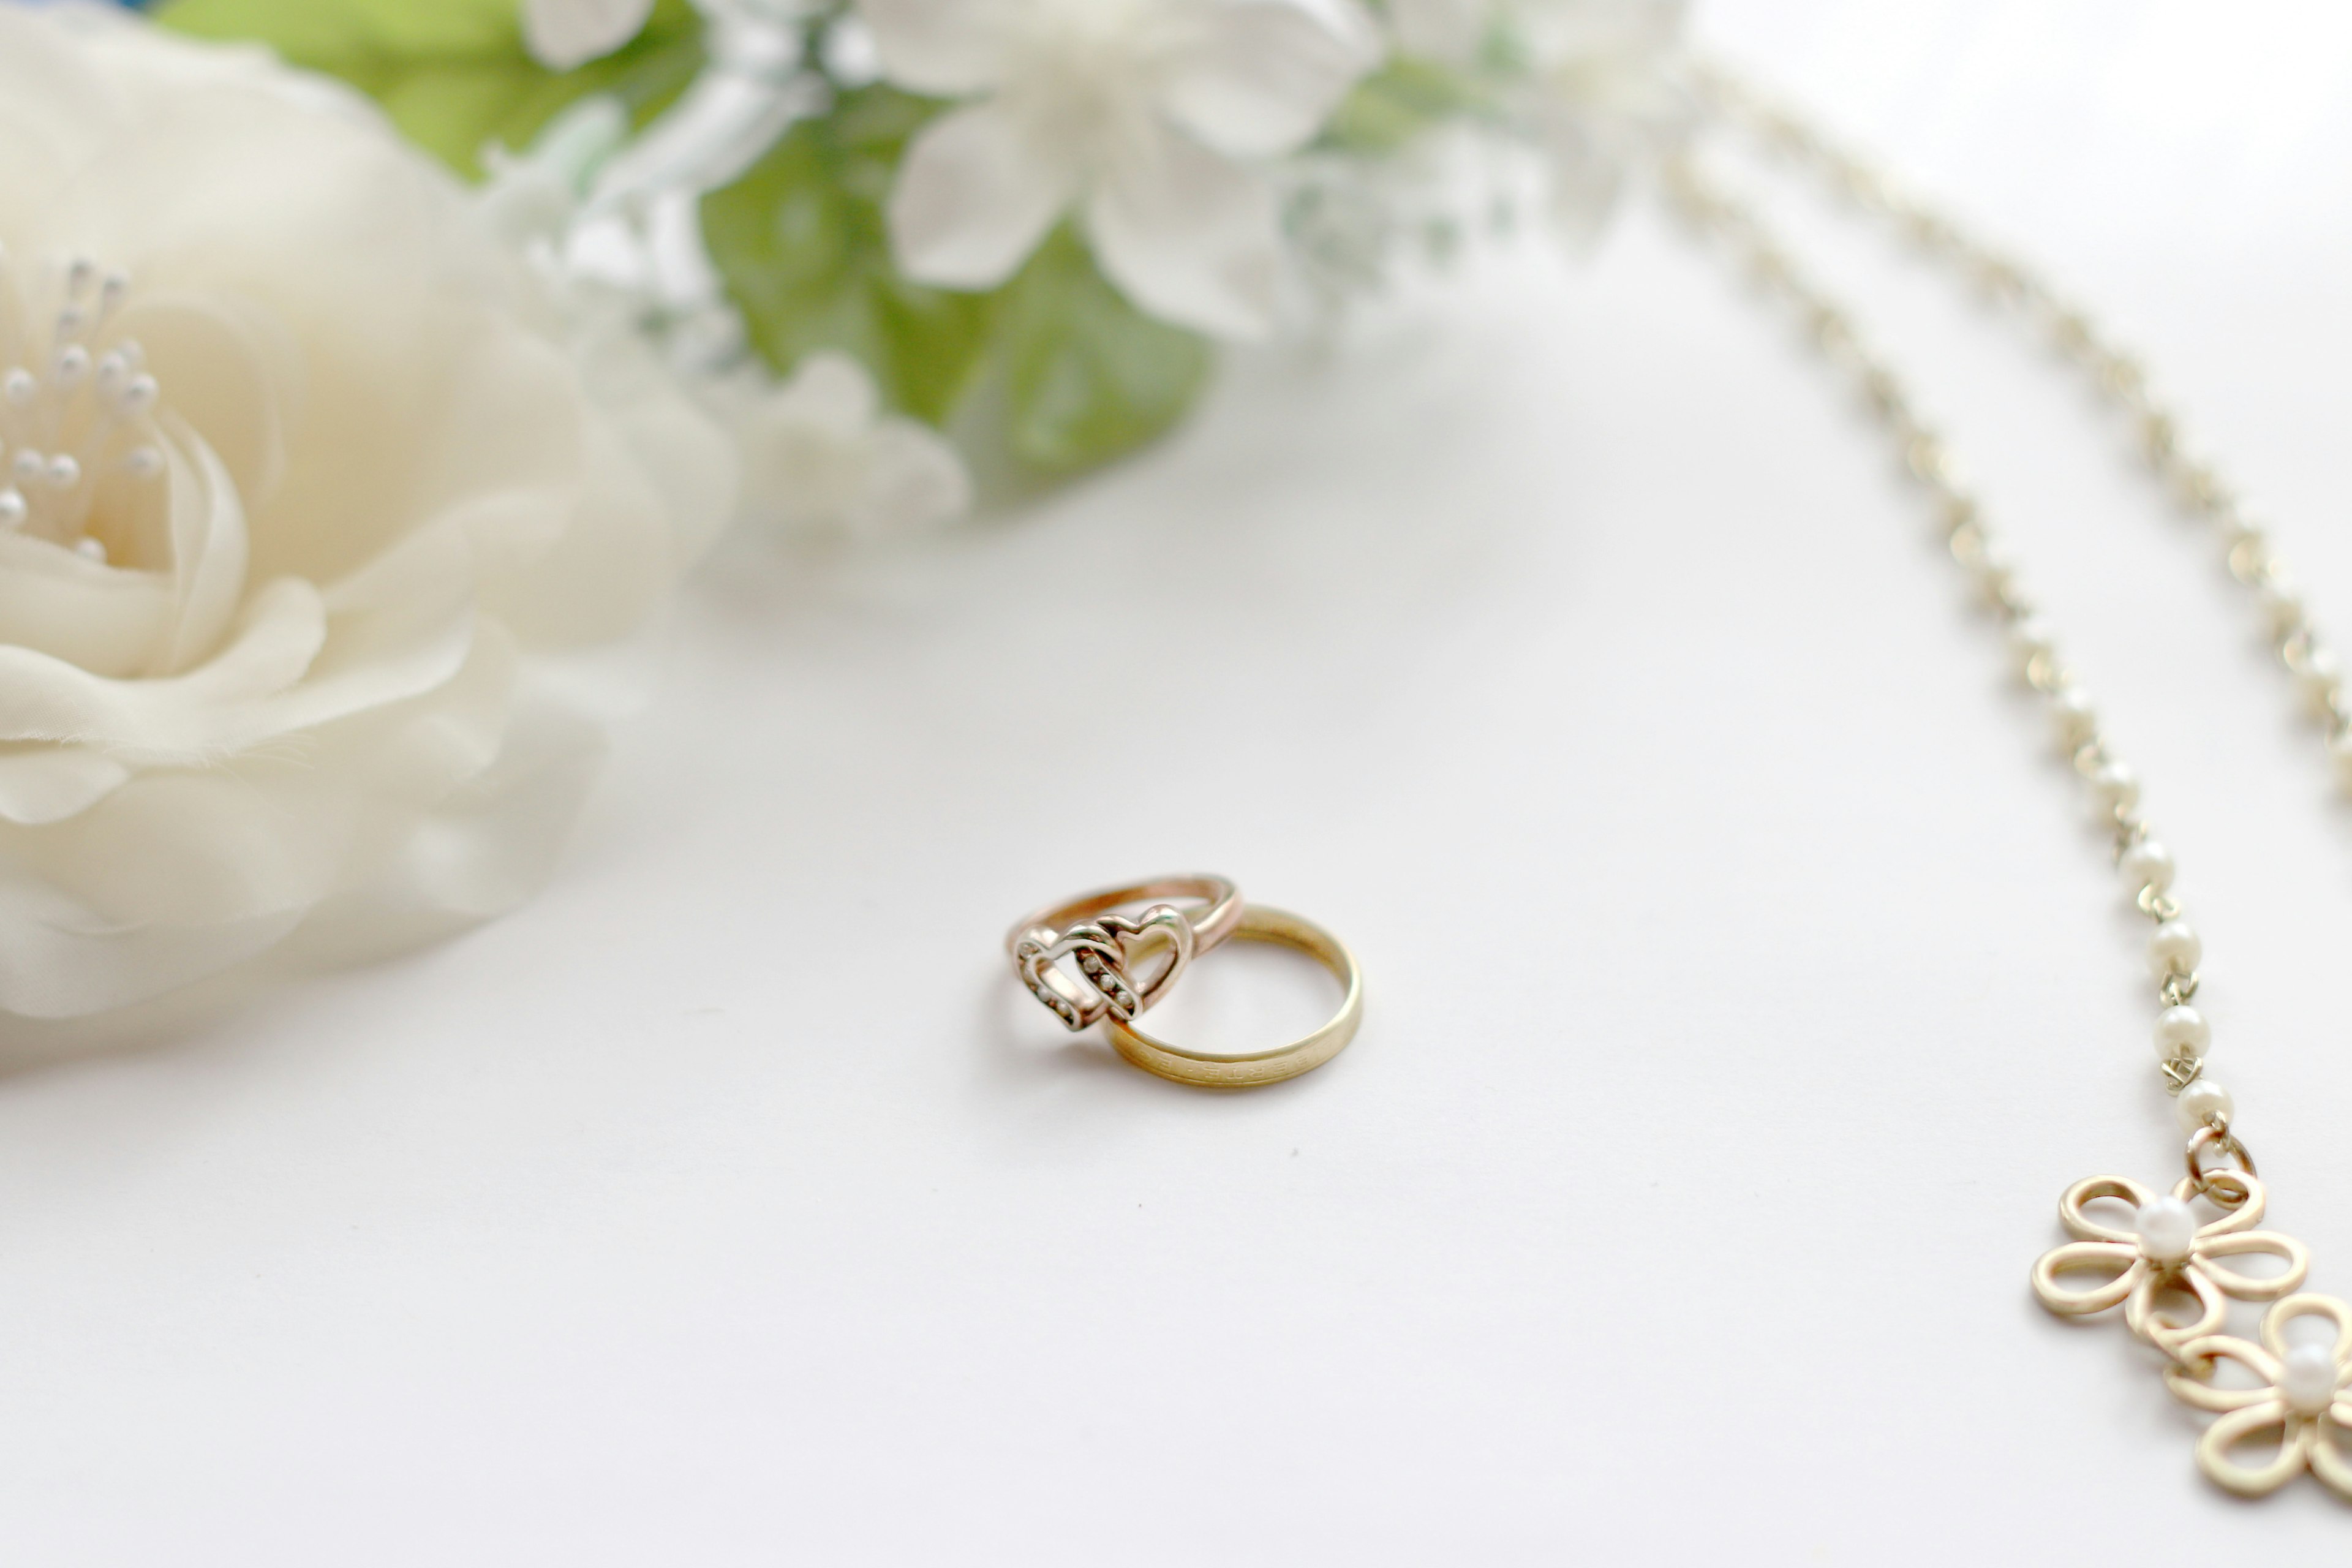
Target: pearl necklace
{"x":2162,"y":1252}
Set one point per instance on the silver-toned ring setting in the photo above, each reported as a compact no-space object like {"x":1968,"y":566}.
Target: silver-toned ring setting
{"x":1105,"y":946}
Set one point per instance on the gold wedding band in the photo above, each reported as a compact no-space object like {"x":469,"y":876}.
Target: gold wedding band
{"x":1105,"y":945}
{"x":1245,"y":1069}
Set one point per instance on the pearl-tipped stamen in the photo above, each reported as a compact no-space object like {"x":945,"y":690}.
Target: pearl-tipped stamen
{"x":90,"y":549}
{"x":72,"y":364}
{"x":79,"y":274}
{"x":19,"y":388}
{"x":138,"y":395}
{"x":112,"y":370}
{"x":28,"y":465}
{"x":13,"y":510}
{"x":65,"y":473}
{"x":143,"y":462}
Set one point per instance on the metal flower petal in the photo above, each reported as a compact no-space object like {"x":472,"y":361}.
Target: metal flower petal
{"x":2190,"y":1378}
{"x":2295,"y":1442}
{"x":2162,"y":1254}
{"x":2078,"y":1222}
{"x":2080,"y":1257}
{"x":2251,"y":1287}
{"x":2140,"y":1314}
{"x":2301,"y":1395}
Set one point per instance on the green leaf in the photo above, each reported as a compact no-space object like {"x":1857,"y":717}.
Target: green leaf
{"x":801,"y":242}
{"x":1090,"y":376}
{"x":1404,"y":97}
{"x":453,"y":74}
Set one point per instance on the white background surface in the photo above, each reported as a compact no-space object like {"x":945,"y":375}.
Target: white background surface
{"x":1746,"y":980}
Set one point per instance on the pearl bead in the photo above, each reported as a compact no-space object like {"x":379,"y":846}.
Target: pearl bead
{"x":2321,"y":679}
{"x":2307,"y":1378}
{"x":2282,"y":605}
{"x":14,"y":510}
{"x":2146,"y":864}
{"x":2201,"y":1103}
{"x":2070,"y":711}
{"x":2167,"y":1230}
{"x":1996,"y":574}
{"x":2115,"y":787}
{"x":2029,"y":640}
{"x":2182,"y":1032}
{"x":2174,"y":948}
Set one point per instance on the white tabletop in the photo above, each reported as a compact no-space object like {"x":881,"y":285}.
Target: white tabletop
{"x":1745,"y":978}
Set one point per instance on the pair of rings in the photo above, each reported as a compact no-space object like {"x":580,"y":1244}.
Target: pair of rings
{"x":1111,"y":952}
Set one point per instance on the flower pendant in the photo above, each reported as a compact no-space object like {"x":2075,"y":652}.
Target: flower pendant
{"x":2299,"y":1391}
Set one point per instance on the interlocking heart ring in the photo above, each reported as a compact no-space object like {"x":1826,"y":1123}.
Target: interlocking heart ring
{"x":1106,"y":947}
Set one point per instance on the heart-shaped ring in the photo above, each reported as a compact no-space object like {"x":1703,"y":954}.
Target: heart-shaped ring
{"x":1105,"y":951}
{"x":1105,"y":946}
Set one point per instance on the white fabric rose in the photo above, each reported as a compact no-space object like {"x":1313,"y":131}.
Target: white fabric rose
{"x":319,"y":527}
{"x":1151,"y":118}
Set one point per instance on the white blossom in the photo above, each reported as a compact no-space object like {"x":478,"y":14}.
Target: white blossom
{"x":818,"y":455}
{"x":1152,"y":120}
{"x":1601,"y":93}
{"x":822,"y":459}
{"x":564,"y":35}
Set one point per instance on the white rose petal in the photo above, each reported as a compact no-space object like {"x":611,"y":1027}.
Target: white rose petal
{"x":320,"y":676}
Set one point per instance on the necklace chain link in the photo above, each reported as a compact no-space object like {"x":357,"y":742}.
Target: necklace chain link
{"x":2123,"y":384}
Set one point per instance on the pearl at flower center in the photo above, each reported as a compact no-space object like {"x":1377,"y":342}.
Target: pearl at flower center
{"x":2308,"y":1379}
{"x":2166,"y":1231}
